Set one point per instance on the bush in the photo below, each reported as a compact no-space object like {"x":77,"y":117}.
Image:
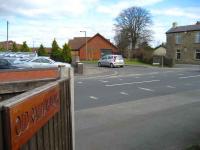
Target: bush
{"x":66,"y":54}
{"x":42,"y":51}
{"x":147,"y":60}
{"x":56,"y":53}
{"x":169,"y":62}
{"x":24,"y":47}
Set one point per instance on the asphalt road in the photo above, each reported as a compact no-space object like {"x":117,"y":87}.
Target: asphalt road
{"x":138,"y":108}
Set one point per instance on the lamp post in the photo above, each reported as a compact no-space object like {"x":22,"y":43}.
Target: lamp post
{"x":85,"y":44}
{"x":7,"y":37}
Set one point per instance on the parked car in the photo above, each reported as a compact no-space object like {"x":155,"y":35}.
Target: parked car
{"x":111,"y":61}
{"x":41,"y":62}
{"x":9,"y":54}
{"x":8,"y":64}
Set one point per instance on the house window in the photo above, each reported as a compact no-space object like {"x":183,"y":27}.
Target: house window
{"x":198,"y":54}
{"x":178,"y":39}
{"x":178,"y":54}
{"x":197,"y":37}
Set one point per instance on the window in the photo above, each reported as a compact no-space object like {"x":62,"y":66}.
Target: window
{"x":45,"y":61}
{"x":178,"y":54}
{"x":110,"y":57}
{"x":198,"y":54}
{"x":197,"y":37}
{"x":37,"y":60}
{"x":178,"y":39}
{"x":103,"y":58}
{"x":3,"y":63}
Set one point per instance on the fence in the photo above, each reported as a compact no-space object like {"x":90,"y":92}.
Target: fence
{"x":40,"y":119}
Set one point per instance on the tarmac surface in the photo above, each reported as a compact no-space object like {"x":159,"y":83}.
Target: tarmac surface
{"x":138,"y":108}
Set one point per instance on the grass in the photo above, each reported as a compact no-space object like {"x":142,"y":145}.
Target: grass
{"x":194,"y":147}
{"x":134,"y":62}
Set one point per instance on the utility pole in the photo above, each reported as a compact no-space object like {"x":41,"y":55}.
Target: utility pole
{"x":7,"y":37}
{"x":85,"y":44}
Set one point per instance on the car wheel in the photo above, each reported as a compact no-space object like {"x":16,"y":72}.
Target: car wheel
{"x":121,"y":66}
{"x":99,"y":64}
{"x":111,"y":65}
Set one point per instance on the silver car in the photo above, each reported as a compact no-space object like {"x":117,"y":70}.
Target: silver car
{"x":111,"y":61}
{"x":40,"y":62}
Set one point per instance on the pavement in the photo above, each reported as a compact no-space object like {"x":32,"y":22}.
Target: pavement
{"x":138,"y":108}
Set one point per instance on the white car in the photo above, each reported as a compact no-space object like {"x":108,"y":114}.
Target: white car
{"x":111,"y":61}
{"x":41,"y":62}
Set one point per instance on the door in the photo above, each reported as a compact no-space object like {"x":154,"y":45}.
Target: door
{"x":106,"y":52}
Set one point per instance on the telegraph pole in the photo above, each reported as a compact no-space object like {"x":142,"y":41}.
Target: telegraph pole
{"x":7,"y":37}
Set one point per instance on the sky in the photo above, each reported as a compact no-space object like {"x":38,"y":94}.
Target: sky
{"x":40,"y":21}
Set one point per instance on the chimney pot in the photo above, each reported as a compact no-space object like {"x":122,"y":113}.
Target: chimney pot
{"x":174,"y":24}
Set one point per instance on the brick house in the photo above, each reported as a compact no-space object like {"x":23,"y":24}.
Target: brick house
{"x":3,"y":45}
{"x":96,"y":47}
{"x":183,"y":43}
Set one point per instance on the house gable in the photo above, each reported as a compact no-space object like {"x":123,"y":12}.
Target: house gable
{"x":102,"y":38}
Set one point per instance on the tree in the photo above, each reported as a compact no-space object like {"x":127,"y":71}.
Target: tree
{"x":1,"y":48}
{"x":122,"y":42}
{"x":14,"y":47}
{"x":41,"y":51}
{"x":66,"y":53}
{"x":55,"y":51}
{"x":134,"y":24}
{"x":24,"y":47}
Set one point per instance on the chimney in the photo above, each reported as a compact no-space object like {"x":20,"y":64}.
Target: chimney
{"x":198,"y":23}
{"x":174,"y":24}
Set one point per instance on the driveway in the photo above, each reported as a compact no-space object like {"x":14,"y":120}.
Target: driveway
{"x":138,"y":108}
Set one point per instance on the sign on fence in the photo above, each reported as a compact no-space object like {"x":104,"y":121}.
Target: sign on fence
{"x":25,"y":118}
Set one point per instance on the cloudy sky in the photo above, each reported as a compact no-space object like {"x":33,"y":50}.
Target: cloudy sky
{"x":40,"y":21}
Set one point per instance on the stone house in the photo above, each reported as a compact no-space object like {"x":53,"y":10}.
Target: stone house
{"x":96,"y":47}
{"x":183,"y":43}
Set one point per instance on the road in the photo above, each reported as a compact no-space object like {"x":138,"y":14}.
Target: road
{"x":138,"y":108}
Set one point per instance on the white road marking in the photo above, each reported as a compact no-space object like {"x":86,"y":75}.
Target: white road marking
{"x":93,"y":97}
{"x":145,"y":89}
{"x":123,"y":93}
{"x":189,"y":77}
{"x":172,"y":87}
{"x":80,"y":82}
{"x":116,"y":75}
{"x":103,"y":81}
{"x":169,"y":71}
{"x":130,"y":83}
{"x":120,"y":79}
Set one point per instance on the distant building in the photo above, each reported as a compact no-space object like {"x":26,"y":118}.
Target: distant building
{"x":3,"y":45}
{"x":96,"y":47}
{"x":183,"y":43}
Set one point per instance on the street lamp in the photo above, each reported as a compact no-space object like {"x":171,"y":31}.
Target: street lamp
{"x":85,"y":43}
{"x":7,"y":37}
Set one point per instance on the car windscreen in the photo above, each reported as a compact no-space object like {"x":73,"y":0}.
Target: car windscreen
{"x":119,"y":57}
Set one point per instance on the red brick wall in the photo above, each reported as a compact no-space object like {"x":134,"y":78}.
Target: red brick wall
{"x":94,"y":47}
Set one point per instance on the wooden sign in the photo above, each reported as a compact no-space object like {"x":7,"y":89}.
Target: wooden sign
{"x":25,"y":118}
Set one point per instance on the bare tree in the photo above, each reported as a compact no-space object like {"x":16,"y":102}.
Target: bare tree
{"x":134,"y":23}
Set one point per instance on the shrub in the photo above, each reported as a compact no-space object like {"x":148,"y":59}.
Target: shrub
{"x":169,"y":62}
